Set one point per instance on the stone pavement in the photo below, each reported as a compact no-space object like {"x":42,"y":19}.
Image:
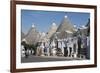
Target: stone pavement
{"x":33,"y":58}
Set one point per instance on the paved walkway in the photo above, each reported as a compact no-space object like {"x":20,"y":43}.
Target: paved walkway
{"x":33,"y":58}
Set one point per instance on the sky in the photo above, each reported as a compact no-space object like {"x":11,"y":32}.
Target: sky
{"x":44,"y":19}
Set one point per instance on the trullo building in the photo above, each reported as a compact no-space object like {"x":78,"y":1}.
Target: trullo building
{"x":32,"y":36}
{"x":65,"y":29}
{"x":52,"y":30}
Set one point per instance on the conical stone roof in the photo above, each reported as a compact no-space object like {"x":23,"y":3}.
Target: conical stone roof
{"x":32,"y":36}
{"x":52,"y":30}
{"x":22,"y":35}
{"x":66,"y":25}
{"x":65,"y":29}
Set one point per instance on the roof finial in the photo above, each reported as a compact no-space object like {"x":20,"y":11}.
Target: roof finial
{"x":33,"y":25}
{"x":65,"y":16}
{"x":54,"y":24}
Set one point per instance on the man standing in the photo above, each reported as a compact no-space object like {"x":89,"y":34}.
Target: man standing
{"x":79,"y":46}
{"x":84,"y":48}
{"x":88,"y":48}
